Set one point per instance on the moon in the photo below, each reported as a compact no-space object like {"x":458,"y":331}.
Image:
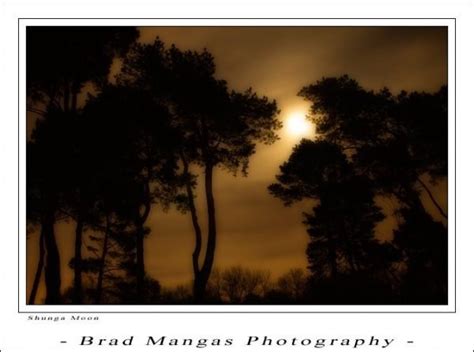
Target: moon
{"x":297,"y":126}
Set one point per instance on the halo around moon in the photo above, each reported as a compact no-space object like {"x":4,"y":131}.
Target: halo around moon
{"x":297,"y":126}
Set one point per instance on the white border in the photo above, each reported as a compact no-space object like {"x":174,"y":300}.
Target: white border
{"x":24,"y":308}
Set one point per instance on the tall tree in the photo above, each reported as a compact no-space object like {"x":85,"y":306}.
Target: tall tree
{"x":218,"y":127}
{"x":48,"y":156}
{"x":341,"y":225}
{"x":60,"y":61}
{"x":394,"y":141}
{"x":145,"y":143}
{"x":385,"y":133}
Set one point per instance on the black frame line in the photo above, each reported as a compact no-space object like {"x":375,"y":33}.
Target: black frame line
{"x":242,"y":18}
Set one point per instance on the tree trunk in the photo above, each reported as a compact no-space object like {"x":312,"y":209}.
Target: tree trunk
{"x":211,"y":238}
{"x":139,"y":224}
{"x":77,"y":295}
{"x":103,"y":257}
{"x":196,"y":226}
{"x":140,"y":264}
{"x":348,"y":247}
{"x":39,"y":270}
{"x":52,"y":268}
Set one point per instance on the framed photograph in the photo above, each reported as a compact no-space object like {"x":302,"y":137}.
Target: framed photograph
{"x":273,"y":165}
{"x":236,"y":176}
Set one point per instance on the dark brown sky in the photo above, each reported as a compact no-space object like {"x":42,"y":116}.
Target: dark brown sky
{"x":255,"y":229}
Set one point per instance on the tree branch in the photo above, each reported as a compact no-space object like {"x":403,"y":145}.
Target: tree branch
{"x":432,"y":198}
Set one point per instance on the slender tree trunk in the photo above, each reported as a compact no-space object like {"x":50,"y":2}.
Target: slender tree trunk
{"x":52,"y":268}
{"x":103,"y":257}
{"x":78,"y":292}
{"x":196,"y":226}
{"x":140,"y":239}
{"x":348,"y":248}
{"x":77,"y":295}
{"x":39,"y":270}
{"x":140,"y":264}
{"x":212,"y":234}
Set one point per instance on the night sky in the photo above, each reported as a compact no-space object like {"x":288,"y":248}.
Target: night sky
{"x":254,"y":229}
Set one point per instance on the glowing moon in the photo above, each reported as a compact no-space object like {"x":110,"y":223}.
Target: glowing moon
{"x":297,"y":125}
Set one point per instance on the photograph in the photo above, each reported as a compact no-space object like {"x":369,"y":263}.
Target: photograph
{"x":189,"y":165}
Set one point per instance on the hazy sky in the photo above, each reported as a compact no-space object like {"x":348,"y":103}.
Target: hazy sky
{"x":255,"y":229}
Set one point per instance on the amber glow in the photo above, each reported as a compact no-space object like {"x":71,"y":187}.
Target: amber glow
{"x":298,"y":126}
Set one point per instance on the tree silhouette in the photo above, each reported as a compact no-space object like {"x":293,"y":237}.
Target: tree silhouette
{"x":48,"y":170}
{"x":341,"y":225}
{"x":395,"y":141}
{"x":293,"y":284}
{"x":218,"y":127}
{"x":423,"y":242}
{"x":237,"y":284}
{"x":39,"y":270}
{"x":370,"y":143}
{"x":144,"y":142}
{"x":384,"y":133}
{"x":60,"y":61}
